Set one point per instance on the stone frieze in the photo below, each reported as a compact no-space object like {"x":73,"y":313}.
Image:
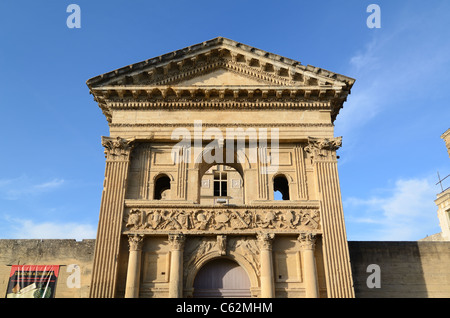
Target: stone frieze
{"x":221,"y":220}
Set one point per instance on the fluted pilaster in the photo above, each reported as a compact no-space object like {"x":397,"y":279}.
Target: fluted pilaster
{"x":117,"y":153}
{"x":338,"y":273}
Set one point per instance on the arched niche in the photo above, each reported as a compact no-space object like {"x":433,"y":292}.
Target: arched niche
{"x":281,"y":184}
{"x":162,"y":185}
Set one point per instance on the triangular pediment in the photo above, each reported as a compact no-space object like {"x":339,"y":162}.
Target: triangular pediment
{"x":220,"y":62}
{"x":219,"y":70}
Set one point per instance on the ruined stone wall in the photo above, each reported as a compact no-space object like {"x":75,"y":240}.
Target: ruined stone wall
{"x":50,"y":252}
{"x":407,"y":269}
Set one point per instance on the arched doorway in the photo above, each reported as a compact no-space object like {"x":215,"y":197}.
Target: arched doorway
{"x":221,"y":278}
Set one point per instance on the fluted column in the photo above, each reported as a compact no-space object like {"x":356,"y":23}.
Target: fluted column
{"x":267,"y":281}
{"x":134,"y":266}
{"x":104,"y":273}
{"x":176,"y":265}
{"x":307,"y":245}
{"x":322,"y":153}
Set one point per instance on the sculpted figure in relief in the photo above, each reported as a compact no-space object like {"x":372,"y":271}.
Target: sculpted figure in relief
{"x":222,"y":220}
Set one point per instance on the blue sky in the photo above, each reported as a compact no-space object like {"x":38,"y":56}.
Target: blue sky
{"x":52,"y":161}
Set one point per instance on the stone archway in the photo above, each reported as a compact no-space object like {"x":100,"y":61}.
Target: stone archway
{"x":222,"y":278}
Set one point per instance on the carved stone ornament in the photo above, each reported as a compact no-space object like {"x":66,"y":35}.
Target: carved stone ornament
{"x":135,"y":242}
{"x":117,"y":148}
{"x":222,"y":244}
{"x":307,"y":240}
{"x":214,"y":220}
{"x":323,"y":148}
{"x":176,"y":241}
{"x":265,"y":240}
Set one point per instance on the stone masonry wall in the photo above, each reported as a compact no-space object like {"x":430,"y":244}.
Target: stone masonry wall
{"x":50,"y":252}
{"x":407,"y":269}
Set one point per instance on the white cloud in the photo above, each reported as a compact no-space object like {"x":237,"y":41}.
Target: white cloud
{"x":18,"y":188}
{"x":405,"y":212}
{"x":29,"y":229}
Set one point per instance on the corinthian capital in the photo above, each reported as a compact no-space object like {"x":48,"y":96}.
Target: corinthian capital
{"x":265,"y":240}
{"x":117,"y":148}
{"x":307,"y":240}
{"x":323,"y":148}
{"x":135,"y":242}
{"x":176,"y":241}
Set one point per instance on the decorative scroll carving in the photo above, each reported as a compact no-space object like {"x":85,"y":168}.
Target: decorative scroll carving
{"x":153,"y":220}
{"x":323,"y":148}
{"x":117,"y":148}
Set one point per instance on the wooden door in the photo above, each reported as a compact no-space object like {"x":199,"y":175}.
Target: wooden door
{"x":221,"y":278}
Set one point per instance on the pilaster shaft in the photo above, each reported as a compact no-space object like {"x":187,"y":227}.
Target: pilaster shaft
{"x":134,"y":266}
{"x":267,"y":281}
{"x":338,"y":273}
{"x":117,"y":153}
{"x":307,"y":245}
{"x":176,"y":265}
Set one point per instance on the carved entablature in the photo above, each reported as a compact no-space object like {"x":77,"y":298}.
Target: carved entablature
{"x":221,"y":220}
{"x":117,"y":149}
{"x":323,"y":148}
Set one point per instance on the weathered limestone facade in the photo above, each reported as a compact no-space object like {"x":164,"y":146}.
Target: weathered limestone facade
{"x":200,"y":139}
{"x":65,"y":253}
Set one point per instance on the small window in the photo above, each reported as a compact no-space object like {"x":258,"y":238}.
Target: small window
{"x":220,"y":184}
{"x":281,"y":188}
{"x":162,"y":184}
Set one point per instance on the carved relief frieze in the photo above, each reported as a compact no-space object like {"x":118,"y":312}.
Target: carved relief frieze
{"x":218,"y":220}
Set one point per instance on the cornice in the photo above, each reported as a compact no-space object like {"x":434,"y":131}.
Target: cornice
{"x":131,"y":203}
{"x":224,"y":125}
{"x":159,"y":81}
